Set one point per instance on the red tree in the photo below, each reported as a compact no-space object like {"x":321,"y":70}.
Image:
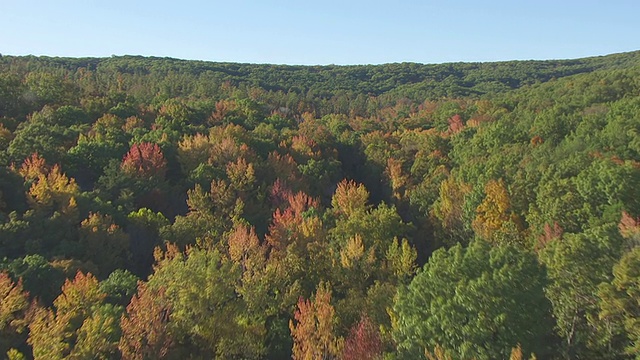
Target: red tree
{"x":363,"y":342}
{"x":145,"y":326}
{"x":145,"y":160}
{"x":455,"y":124}
{"x":287,"y":225}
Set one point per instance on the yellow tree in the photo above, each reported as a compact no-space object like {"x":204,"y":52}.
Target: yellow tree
{"x":79,"y":327}
{"x":350,"y":198}
{"x":5,"y":136}
{"x":494,"y":217}
{"x":54,"y":191}
{"x":245,"y":250}
{"x":46,"y":335}
{"x":397,"y":178}
{"x":448,"y":211}
{"x":241,"y":175}
{"x":14,"y":302}
{"x":194,"y":150}
{"x":352,"y":252}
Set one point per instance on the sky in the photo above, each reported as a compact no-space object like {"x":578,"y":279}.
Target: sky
{"x":319,"y":33}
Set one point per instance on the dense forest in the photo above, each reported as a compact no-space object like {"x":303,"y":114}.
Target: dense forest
{"x":154,"y":208}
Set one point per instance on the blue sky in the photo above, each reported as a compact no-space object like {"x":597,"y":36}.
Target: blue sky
{"x":327,"y":32}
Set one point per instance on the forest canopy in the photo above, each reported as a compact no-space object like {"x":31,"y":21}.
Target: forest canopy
{"x":162,"y":208}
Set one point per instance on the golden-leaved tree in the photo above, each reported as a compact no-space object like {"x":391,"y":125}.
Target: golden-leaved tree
{"x":495,"y":221}
{"x":313,"y":331}
{"x":14,"y":302}
{"x":81,"y":325}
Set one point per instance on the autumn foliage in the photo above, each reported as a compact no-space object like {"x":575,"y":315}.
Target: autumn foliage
{"x":14,"y":304}
{"x":313,"y":330}
{"x":144,"y":327}
{"x":363,"y":342}
{"x":33,"y":166}
{"x":70,"y":329}
{"x":494,"y":213}
{"x":350,"y":198}
{"x":54,"y":191}
{"x":256,"y":186}
{"x":145,"y":160}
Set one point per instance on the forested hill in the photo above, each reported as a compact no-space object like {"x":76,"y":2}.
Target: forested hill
{"x":415,"y":81}
{"x":158,"y":208}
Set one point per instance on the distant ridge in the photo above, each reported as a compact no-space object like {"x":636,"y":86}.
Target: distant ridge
{"x":413,"y":80}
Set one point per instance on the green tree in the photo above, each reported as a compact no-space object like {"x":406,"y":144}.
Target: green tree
{"x":50,"y":132}
{"x":207,"y":314}
{"x":618,"y":299}
{"x":619,"y":302}
{"x":103,"y":243}
{"x":478,"y":301}
{"x":576,"y":265}
{"x":119,"y":287}
{"x":144,"y":230}
{"x":39,"y":277}
{"x":49,"y":87}
{"x":99,"y":334}
{"x":11,"y":91}
{"x":90,"y":156}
